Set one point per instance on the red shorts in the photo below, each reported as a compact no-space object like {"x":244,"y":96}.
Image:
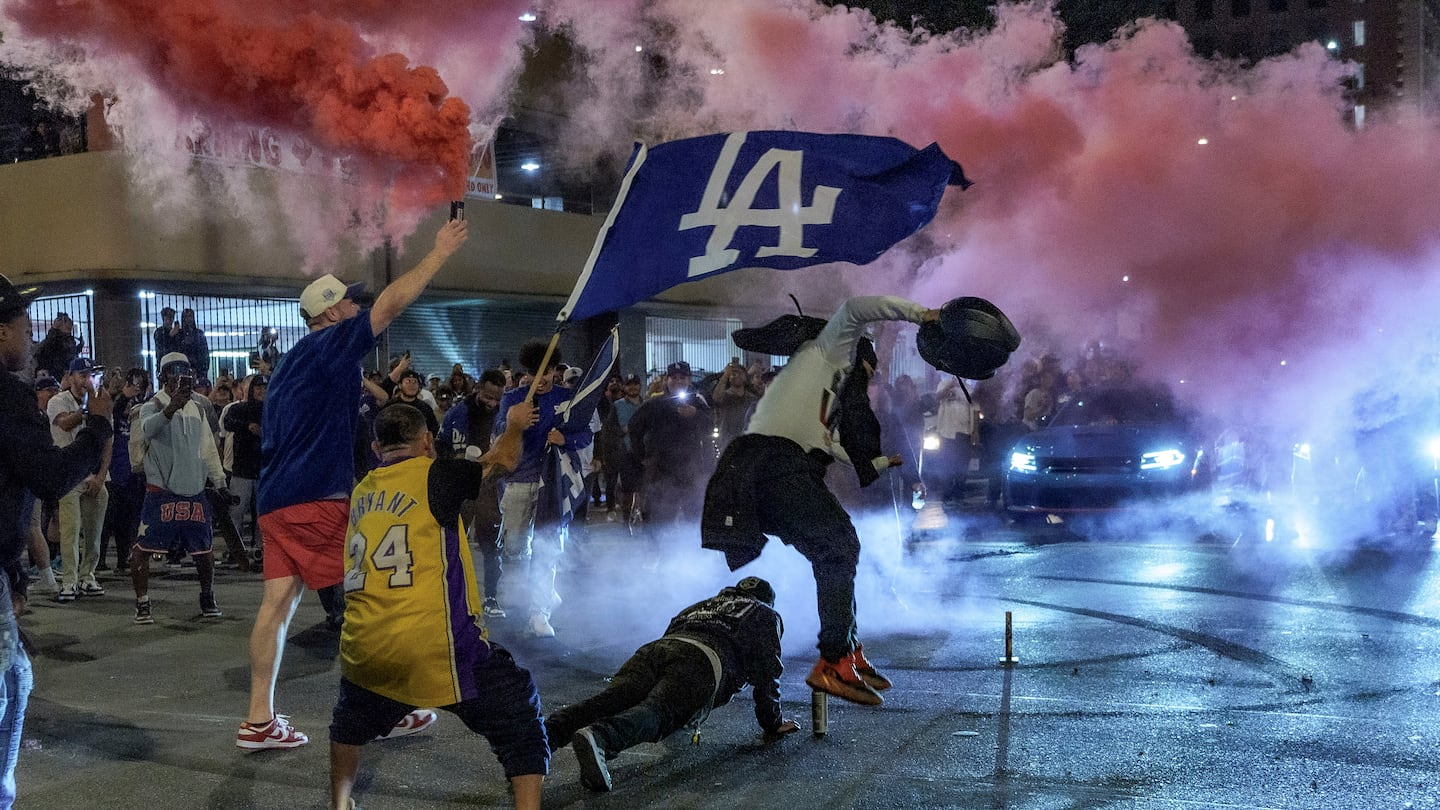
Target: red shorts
{"x":307,"y":540}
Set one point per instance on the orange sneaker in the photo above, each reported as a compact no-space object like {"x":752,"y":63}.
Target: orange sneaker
{"x":843,"y":682}
{"x":867,"y":671}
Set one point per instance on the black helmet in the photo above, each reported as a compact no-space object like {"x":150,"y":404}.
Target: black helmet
{"x":971,"y":339}
{"x":757,"y":588}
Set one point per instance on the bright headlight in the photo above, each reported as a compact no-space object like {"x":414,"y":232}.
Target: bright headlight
{"x":1023,"y":462}
{"x":1162,"y":459}
{"x":931,"y":441}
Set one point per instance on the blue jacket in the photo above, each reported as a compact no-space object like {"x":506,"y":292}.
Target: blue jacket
{"x":532,"y":453}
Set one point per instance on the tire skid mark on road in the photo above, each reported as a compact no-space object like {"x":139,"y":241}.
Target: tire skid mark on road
{"x":1295,"y":677}
{"x":1378,"y":613}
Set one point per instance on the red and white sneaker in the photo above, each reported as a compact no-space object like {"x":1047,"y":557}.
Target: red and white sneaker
{"x":412,"y":723}
{"x":275,"y":734}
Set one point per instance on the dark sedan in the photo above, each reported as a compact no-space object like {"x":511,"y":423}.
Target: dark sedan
{"x":1102,"y":450}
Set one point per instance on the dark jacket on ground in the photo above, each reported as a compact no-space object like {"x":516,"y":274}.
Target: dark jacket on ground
{"x":745,"y":633}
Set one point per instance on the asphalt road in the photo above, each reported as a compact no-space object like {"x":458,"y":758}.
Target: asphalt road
{"x":1154,"y":671}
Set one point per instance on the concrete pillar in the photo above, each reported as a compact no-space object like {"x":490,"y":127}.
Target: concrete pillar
{"x":117,"y":334}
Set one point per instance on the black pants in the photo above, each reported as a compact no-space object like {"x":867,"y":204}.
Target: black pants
{"x":482,"y":518}
{"x":122,"y":518}
{"x":673,"y":498}
{"x":791,"y":502}
{"x":655,"y":693}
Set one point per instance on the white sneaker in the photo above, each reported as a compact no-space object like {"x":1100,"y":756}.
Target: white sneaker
{"x":540,"y":626}
{"x":46,"y":583}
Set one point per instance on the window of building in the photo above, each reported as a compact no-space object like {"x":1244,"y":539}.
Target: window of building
{"x":1358,"y":33}
{"x":232,"y":326}
{"x":1239,"y":8}
{"x":1360,"y":76}
{"x":1359,"y":116}
{"x":1204,"y":9}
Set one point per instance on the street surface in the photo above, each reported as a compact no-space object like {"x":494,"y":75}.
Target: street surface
{"x":1155,"y":671}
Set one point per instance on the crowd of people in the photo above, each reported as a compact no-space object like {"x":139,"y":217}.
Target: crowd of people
{"x":371,"y":488}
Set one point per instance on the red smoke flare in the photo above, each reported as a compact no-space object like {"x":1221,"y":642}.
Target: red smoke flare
{"x":286,"y":67}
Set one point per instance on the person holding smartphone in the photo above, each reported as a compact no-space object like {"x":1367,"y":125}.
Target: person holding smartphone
{"x":82,"y":509}
{"x":672,"y":436}
{"x":180,"y":455}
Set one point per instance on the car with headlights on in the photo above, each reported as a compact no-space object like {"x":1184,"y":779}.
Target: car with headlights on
{"x":1105,"y":449}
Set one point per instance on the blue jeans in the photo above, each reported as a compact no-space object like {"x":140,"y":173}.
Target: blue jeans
{"x":14,"y":696}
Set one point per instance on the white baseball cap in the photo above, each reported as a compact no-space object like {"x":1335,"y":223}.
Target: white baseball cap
{"x":326,"y":292}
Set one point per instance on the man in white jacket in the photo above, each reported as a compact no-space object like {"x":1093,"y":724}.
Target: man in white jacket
{"x":180,"y":455}
{"x":772,"y":481}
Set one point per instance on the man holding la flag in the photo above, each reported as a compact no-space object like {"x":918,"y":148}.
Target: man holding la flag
{"x":785,"y":200}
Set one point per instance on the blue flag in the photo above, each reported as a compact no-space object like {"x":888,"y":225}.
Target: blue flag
{"x":569,"y":472}
{"x":699,"y":207}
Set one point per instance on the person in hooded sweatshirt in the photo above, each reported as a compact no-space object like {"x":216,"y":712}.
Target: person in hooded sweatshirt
{"x":180,"y":455}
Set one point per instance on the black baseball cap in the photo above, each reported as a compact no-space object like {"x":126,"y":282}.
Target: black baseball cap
{"x":13,"y":299}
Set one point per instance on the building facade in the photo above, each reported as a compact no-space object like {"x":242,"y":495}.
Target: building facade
{"x":77,"y":225}
{"x":1395,"y":44}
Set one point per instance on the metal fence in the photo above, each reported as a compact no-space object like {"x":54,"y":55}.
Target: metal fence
{"x":232,"y":326}
{"x":703,"y":343}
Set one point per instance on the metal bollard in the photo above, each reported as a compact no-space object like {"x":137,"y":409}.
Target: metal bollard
{"x":1009,"y":659}
{"x":819,"y":714}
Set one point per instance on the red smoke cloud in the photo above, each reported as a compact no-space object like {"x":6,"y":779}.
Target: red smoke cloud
{"x":1087,"y":171}
{"x":295,"y":67}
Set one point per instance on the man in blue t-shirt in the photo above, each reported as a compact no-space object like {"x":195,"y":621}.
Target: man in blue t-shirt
{"x":308,"y":469}
{"x":518,"y":534}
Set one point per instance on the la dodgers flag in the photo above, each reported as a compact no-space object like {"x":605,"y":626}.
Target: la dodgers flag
{"x":699,"y":207}
{"x":569,"y":469}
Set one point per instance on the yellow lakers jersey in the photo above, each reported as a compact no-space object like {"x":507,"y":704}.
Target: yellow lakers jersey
{"x":412,"y":631}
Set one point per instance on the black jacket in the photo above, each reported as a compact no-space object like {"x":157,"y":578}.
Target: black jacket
{"x":745,"y":633}
{"x":246,"y":445}
{"x":56,"y":351}
{"x":673,"y":446}
{"x":29,"y":460}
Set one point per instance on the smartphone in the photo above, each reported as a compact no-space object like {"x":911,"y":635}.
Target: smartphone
{"x":406,"y":355}
{"x":457,"y":209}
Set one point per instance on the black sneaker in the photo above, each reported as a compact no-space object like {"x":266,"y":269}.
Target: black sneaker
{"x":594,"y":774}
{"x":208,"y":608}
{"x":142,"y":612}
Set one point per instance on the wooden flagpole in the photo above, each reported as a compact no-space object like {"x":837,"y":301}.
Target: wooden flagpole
{"x":545,"y":362}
